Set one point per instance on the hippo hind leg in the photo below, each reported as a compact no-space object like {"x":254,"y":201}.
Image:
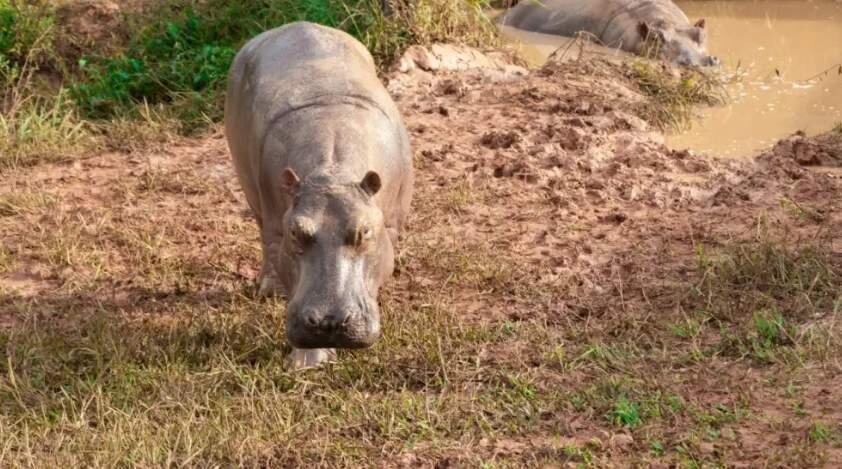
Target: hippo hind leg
{"x":300,"y":358}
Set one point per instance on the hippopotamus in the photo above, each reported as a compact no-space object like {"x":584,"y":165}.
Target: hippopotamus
{"x":637,"y":26}
{"x":324,"y":160}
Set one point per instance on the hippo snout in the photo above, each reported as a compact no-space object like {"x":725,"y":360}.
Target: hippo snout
{"x":703,"y":61}
{"x":314,"y":319}
{"x":313,"y":327}
{"x":711,"y":61}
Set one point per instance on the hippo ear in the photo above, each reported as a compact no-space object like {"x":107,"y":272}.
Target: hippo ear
{"x":697,"y":35}
{"x":290,"y":181}
{"x":700,"y":24}
{"x":643,"y":29}
{"x":371,"y":183}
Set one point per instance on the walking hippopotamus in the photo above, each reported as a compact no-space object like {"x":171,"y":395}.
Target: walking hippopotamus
{"x":631,"y":25}
{"x":324,"y":160}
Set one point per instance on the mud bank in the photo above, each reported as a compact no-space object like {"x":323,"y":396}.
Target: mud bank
{"x":560,"y":170}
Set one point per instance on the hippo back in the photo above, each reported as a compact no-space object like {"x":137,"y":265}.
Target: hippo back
{"x":611,"y":22}
{"x":296,"y":70}
{"x":305,"y":64}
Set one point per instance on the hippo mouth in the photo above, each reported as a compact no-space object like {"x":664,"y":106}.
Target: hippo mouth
{"x":309,"y":339}
{"x":357,"y":332}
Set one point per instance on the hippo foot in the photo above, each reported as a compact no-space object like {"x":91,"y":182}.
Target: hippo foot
{"x":269,"y":286}
{"x":300,"y":359}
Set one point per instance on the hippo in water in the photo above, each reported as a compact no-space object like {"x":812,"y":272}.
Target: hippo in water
{"x":324,"y":161}
{"x":636,"y":26}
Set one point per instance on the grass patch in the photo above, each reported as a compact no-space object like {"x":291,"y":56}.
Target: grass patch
{"x":106,"y":390}
{"x":819,"y":432}
{"x":43,"y":130}
{"x":673,"y":97}
{"x":625,"y":413}
{"x":768,"y":297}
{"x":766,"y":274}
{"x":36,"y":123}
{"x":15,"y":203}
{"x":26,"y":35}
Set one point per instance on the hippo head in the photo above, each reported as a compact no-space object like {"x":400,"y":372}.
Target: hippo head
{"x":683,"y":46}
{"x":337,"y":253}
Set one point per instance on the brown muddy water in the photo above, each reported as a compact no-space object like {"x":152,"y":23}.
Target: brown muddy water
{"x":782,"y":58}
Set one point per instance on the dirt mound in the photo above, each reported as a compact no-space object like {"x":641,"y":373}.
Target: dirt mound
{"x":89,"y":25}
{"x":823,"y":150}
{"x":570,"y":180}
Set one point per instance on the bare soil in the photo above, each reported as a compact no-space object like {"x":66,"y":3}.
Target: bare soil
{"x":541,"y":198}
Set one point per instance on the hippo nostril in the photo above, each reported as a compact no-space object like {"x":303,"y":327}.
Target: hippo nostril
{"x":311,"y":318}
{"x":338,"y":319}
{"x":347,"y":318}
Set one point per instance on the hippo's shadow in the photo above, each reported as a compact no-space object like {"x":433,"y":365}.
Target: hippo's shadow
{"x":146,"y":326}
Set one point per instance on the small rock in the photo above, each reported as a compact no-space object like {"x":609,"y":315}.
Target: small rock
{"x":615,"y":217}
{"x":622,"y":441}
{"x":496,"y":140}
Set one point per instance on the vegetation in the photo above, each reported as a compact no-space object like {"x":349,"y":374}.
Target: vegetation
{"x":675,"y":93}
{"x":170,"y":74}
{"x":176,"y":60}
{"x":33,"y":125}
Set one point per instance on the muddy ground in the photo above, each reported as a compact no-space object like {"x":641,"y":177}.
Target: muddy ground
{"x":542,"y":201}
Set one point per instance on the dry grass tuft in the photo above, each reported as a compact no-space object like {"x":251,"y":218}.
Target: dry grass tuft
{"x":43,"y":130}
{"x":674,"y":93}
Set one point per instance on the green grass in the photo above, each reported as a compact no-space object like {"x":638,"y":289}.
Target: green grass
{"x":819,"y":432}
{"x":764,"y":296}
{"x":625,"y":413}
{"x":767,"y":273}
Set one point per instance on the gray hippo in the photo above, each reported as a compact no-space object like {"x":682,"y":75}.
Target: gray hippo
{"x":323,"y":157}
{"x":623,"y":24}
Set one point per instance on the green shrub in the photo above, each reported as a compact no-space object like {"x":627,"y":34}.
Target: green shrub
{"x":25,"y":43}
{"x":168,"y":61}
{"x":180,"y":58}
{"x":23,"y":26}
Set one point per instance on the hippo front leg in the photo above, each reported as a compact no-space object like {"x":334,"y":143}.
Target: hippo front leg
{"x":300,"y":358}
{"x":269,"y":283}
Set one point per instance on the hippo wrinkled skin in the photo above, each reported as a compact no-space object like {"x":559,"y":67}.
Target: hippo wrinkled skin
{"x":324,"y":161}
{"x":630,"y":25}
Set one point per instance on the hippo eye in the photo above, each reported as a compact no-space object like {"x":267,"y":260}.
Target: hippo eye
{"x":360,"y":236}
{"x":301,"y":236}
